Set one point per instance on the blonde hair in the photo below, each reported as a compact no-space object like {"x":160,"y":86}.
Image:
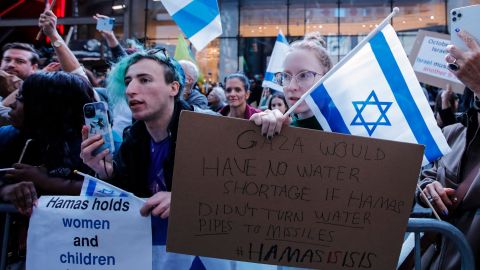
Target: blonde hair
{"x":314,"y":42}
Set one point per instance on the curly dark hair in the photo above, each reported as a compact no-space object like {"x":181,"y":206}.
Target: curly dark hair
{"x":53,"y":114}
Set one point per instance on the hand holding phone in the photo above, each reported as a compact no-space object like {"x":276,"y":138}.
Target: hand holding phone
{"x":96,"y":118}
{"x":105,"y":23}
{"x":464,"y":19}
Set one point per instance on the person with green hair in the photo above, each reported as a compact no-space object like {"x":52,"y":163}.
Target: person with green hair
{"x":151,"y":82}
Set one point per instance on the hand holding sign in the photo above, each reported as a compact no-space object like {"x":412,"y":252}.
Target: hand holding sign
{"x":23,"y":196}
{"x":157,"y":205}
{"x":303,"y":198}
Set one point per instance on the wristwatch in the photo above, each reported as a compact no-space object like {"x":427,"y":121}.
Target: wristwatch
{"x":57,"y":43}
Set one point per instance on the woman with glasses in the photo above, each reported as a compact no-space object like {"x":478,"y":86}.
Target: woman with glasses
{"x":237,"y":91}
{"x":306,"y":62}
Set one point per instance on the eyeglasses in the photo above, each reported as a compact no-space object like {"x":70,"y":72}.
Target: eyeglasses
{"x":305,"y":79}
{"x":162,"y":50}
{"x":163,"y":58}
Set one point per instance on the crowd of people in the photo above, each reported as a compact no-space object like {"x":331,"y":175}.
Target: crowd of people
{"x":43,"y":136}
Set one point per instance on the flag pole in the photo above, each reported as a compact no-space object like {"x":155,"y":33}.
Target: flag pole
{"x":425,"y":197}
{"x":24,"y":150}
{"x":39,"y":35}
{"x":344,"y":59}
{"x":84,"y":174}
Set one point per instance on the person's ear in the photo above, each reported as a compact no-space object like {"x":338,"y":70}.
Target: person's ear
{"x":174,"y":88}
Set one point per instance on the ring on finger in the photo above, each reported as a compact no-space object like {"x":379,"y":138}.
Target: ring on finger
{"x":453,"y":66}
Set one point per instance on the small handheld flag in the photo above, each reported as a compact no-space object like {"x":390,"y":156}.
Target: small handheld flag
{"x":374,"y":92}
{"x":94,"y":187}
{"x":276,"y":62}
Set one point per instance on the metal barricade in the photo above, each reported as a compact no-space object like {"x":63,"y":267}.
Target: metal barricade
{"x":7,"y":210}
{"x":415,"y":225}
{"x":420,"y":225}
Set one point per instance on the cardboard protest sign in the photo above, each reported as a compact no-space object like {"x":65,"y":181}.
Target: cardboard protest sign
{"x":78,"y":233}
{"x":428,"y":60}
{"x":305,"y":198}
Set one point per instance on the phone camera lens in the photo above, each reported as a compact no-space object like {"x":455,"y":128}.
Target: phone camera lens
{"x":459,"y":15}
{"x":89,"y":112}
{"x":454,"y":19}
{"x":454,"y":13}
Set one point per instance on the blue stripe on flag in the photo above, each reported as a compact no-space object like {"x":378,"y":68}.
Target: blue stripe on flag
{"x":325,"y":103}
{"x":281,"y":38}
{"x":269,"y":76}
{"x":91,"y":187}
{"x":402,"y":94}
{"x":196,"y":15}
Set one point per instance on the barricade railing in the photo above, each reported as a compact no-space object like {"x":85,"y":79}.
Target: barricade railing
{"x":415,"y":225}
{"x":422,"y":225}
{"x":7,"y":210}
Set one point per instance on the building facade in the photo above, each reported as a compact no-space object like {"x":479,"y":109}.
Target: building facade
{"x":250,"y":26}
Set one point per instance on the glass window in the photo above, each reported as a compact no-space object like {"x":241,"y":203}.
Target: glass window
{"x":208,"y":61}
{"x":255,"y":52}
{"x":360,"y":17}
{"x":262,"y":18}
{"x":408,"y":40}
{"x":320,"y":17}
{"x":420,"y":14}
{"x":296,"y":19}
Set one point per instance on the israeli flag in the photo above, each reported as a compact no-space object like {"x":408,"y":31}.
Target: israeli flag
{"x":94,"y":187}
{"x":198,"y":19}
{"x":276,"y":62}
{"x":376,"y":94}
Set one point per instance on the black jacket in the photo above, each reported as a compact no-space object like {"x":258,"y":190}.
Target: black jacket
{"x":133,"y":158}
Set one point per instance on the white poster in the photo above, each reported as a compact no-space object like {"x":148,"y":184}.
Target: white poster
{"x":79,"y":233}
{"x":431,"y":59}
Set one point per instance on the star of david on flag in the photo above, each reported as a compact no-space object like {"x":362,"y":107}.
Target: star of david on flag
{"x":375,"y":93}
{"x":372,"y":101}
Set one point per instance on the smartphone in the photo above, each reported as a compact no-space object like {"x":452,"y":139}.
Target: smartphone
{"x":96,"y":118}
{"x":105,"y":24}
{"x":464,"y":19}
